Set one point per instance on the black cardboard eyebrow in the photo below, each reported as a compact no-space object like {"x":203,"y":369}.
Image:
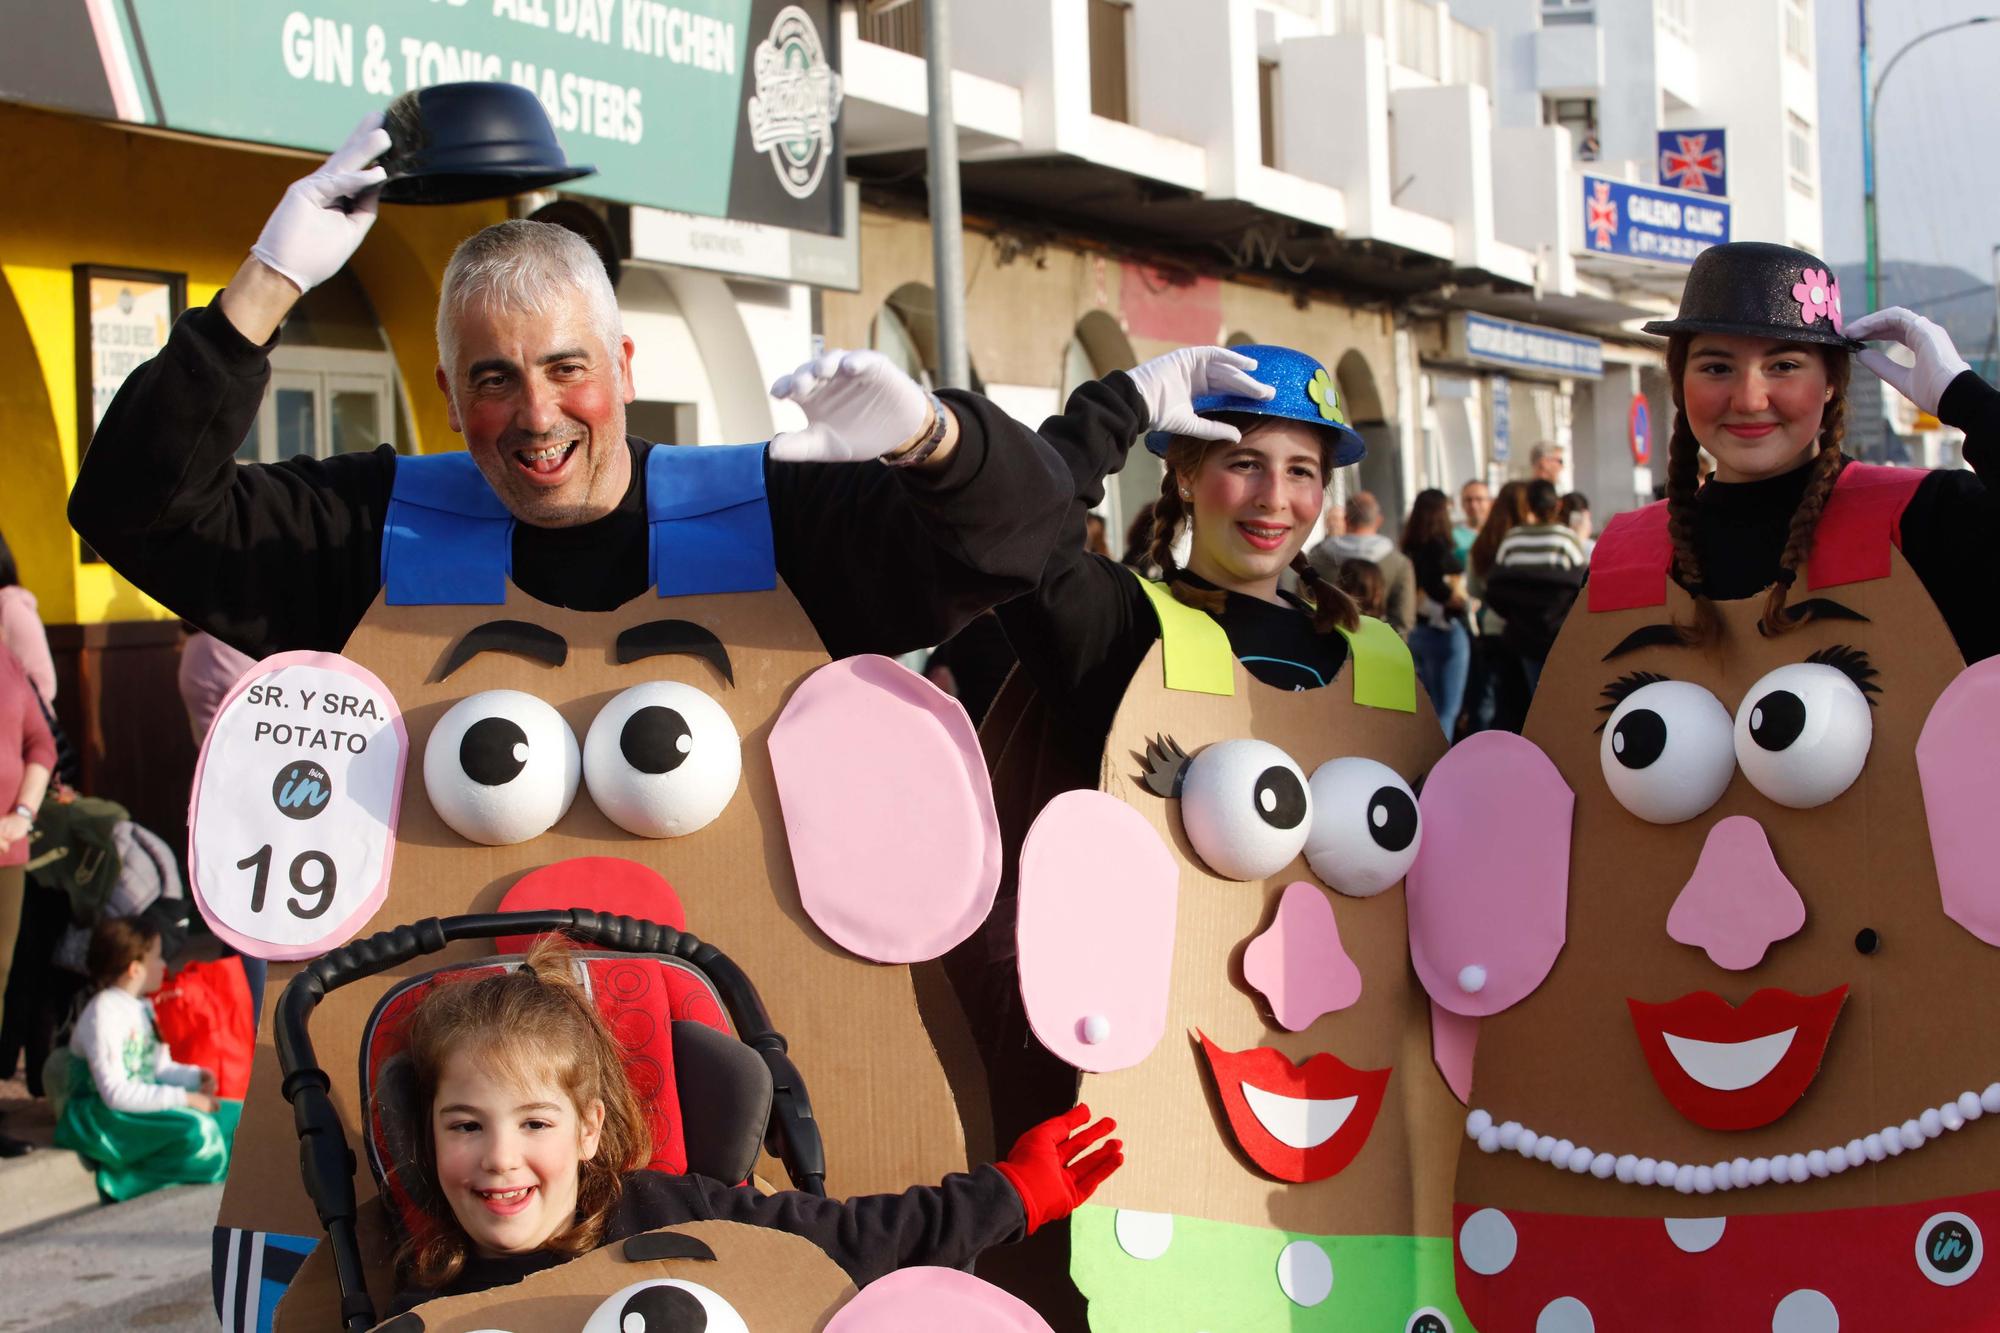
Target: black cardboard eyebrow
{"x":537,"y":643}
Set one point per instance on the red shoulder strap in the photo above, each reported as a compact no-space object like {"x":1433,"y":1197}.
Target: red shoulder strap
{"x":1628,"y":567}
{"x":1863,"y":516}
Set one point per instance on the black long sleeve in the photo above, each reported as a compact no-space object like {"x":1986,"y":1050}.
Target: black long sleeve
{"x":288,"y":555}
{"x":869,"y":1236}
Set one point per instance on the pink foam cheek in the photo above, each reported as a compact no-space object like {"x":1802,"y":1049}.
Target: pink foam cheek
{"x":1098,"y":894}
{"x":1489,"y":892}
{"x":923,"y":1300}
{"x":1297,"y":962}
{"x":1961,"y":780}
{"x":888,"y":811}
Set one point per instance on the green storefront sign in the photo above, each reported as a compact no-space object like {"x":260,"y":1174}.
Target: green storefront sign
{"x":725,"y":108}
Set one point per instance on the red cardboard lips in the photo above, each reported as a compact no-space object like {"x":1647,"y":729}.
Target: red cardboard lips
{"x":1736,"y":1067}
{"x":1296,"y":1122}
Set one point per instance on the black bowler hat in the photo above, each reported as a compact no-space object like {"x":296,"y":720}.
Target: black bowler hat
{"x":453,"y":143}
{"x":1761,"y":290}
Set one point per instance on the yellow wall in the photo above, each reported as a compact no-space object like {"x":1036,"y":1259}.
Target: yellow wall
{"x":85,"y":193}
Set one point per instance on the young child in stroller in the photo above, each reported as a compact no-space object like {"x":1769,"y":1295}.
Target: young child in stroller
{"x":533,"y":1141}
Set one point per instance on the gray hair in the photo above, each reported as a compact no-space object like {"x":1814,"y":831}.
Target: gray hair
{"x":1545,"y":449}
{"x":525,"y":266}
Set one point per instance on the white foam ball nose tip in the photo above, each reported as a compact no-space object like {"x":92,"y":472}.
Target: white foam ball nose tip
{"x":1095,"y":1029}
{"x":1472,"y":978}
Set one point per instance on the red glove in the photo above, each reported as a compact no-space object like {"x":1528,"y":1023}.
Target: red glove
{"x":1045,"y":1171}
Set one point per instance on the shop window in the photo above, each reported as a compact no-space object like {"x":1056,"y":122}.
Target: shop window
{"x":1578,"y":115}
{"x":1110,"y":43}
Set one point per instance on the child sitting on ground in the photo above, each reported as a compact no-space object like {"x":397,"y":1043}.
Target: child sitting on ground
{"x":534,"y":1139}
{"x":141,"y":1117}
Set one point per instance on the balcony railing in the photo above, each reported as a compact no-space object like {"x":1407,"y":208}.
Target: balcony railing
{"x":896,"y":24}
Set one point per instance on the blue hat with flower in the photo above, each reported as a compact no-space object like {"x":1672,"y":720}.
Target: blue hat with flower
{"x":1305,"y":392}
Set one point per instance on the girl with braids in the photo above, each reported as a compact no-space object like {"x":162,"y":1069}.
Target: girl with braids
{"x":1759,"y":364}
{"x":1250,"y":436}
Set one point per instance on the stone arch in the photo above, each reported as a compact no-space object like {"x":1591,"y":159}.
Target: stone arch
{"x":1381,"y":472}
{"x":1097,"y":347}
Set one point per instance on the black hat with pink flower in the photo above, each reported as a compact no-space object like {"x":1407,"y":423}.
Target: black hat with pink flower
{"x":1759,"y":290}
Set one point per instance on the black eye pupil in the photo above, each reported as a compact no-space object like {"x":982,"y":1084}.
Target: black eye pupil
{"x":1392,"y":819}
{"x":493,"y":752}
{"x":1867,"y":941}
{"x":1777,"y":719}
{"x":663,"y":1310}
{"x":655,"y":740}
{"x":1280,"y":797}
{"x":1639,"y":738}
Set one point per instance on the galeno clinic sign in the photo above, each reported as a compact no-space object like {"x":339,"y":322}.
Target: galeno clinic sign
{"x":723,"y":108}
{"x":1649,"y":222}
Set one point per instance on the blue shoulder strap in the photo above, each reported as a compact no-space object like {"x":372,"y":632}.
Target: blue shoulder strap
{"x":447,"y":541}
{"x":708,"y":520}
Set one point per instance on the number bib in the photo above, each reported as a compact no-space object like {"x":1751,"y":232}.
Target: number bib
{"x":293,"y":822}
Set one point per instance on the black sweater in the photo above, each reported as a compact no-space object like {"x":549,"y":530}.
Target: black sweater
{"x":1951,"y":529}
{"x":872,"y":1235}
{"x":1085,"y":628}
{"x":285,"y":556}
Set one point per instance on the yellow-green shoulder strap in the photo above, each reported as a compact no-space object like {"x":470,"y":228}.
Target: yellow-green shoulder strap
{"x":1197,"y":650}
{"x":1384,"y":675}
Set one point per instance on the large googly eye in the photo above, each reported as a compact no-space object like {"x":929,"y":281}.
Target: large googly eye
{"x":1802,"y":734}
{"x":1365,"y":826}
{"x":1666,"y":751}
{"x":1246,"y":809}
{"x":501,"y":767}
{"x":665,"y":1305}
{"x":662,"y":759}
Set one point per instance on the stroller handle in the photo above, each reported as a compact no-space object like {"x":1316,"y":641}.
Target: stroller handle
{"x":327,"y":1163}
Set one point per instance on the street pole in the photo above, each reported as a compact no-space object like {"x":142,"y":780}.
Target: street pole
{"x":947,"y":243}
{"x":1870,"y":104}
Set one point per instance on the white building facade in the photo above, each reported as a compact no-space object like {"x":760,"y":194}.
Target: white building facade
{"x":1411,"y":176}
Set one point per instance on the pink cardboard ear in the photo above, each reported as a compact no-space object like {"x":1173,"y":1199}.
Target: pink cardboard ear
{"x":1489,"y":892}
{"x":1099,"y":891}
{"x":1955,"y":763}
{"x":923,"y":1300}
{"x":888,"y":810}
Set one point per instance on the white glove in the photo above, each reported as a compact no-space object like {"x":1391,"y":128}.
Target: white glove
{"x":1938,"y":362}
{"x":1171,"y":383}
{"x":319,"y":223}
{"x":858,"y":406}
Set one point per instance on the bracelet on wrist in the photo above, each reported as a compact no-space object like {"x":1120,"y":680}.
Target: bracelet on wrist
{"x":924,"y":447}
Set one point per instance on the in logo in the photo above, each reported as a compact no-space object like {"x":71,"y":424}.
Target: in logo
{"x":1949,"y":1248}
{"x":796,"y":102}
{"x":1428,"y":1320}
{"x":301,"y":789}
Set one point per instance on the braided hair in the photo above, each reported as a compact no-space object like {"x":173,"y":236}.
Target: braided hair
{"x":1332,"y":608}
{"x":1683,"y":480}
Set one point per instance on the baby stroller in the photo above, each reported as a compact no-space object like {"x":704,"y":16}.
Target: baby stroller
{"x":671,"y":1000}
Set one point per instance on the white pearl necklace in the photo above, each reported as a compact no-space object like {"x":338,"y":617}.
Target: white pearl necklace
{"x":1740,"y":1172}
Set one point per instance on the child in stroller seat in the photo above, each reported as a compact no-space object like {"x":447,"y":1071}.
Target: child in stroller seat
{"x":533,"y":1142}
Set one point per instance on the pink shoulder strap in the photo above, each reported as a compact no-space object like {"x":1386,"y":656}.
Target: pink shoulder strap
{"x":1628,"y":567}
{"x":1863,"y":518}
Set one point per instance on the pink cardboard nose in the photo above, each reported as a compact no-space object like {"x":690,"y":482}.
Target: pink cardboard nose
{"x":1737,"y":904}
{"x":1297,"y":962}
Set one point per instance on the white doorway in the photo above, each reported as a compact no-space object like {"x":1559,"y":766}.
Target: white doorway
{"x":324,"y":401}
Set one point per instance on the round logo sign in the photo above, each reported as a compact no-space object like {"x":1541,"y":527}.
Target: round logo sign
{"x":1428,"y":1320}
{"x":1640,"y":421}
{"x":796,"y":102}
{"x":301,"y":789}
{"x":1949,"y":1248}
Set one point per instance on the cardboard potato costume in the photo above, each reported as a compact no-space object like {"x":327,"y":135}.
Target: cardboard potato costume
{"x":691,"y":758}
{"x":1216,"y":937}
{"x":1733,"y":1060}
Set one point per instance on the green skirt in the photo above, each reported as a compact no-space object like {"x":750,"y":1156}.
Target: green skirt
{"x":135,"y":1152}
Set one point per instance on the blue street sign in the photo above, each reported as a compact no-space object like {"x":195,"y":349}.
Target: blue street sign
{"x":1646,"y":222}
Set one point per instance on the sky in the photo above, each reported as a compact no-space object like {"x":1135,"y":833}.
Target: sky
{"x":1937,"y":180}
